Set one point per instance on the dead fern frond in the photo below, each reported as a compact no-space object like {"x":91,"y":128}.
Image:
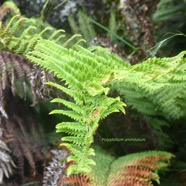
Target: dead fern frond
{"x":54,"y":172}
{"x":76,"y":180}
{"x":23,"y":135}
{"x":138,"y":169}
{"x":17,"y":73}
{"x":6,"y":162}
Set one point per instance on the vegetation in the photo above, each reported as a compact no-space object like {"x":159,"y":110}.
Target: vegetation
{"x":92,"y":86}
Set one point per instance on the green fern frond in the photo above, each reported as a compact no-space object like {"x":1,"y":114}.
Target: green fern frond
{"x":73,"y":24}
{"x":12,"y":5}
{"x":62,"y":67}
{"x":20,"y":34}
{"x":10,"y":25}
{"x":86,"y":28}
{"x":55,"y":34}
{"x":154,"y":86}
{"x":18,"y":44}
{"x":69,"y":41}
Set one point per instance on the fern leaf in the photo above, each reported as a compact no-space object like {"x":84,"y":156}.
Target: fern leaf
{"x":9,"y":26}
{"x":76,"y":126}
{"x":77,"y":96}
{"x":69,"y":65}
{"x":112,"y":24}
{"x":68,"y":104}
{"x":55,"y":66}
{"x":69,"y":113}
{"x":14,"y":28}
{"x":87,"y":31}
{"x":83,"y":168}
{"x":71,"y":39}
{"x":74,"y":140}
{"x":154,"y":86}
{"x":54,"y":34}
{"x":138,"y":168}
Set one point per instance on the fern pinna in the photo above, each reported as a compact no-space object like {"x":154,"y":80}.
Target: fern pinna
{"x":85,"y":75}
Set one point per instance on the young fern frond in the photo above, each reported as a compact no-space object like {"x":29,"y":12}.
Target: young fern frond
{"x":81,"y":132}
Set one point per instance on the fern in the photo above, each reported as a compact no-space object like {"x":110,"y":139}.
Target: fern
{"x":112,"y":24}
{"x":134,"y":169}
{"x":23,"y":136}
{"x":83,"y":26}
{"x":93,"y":103}
{"x":154,"y":87}
{"x":56,"y":169}
{"x":86,"y":75}
{"x":22,"y":77}
{"x":169,"y":10}
{"x":89,"y":107}
{"x":19,"y":77}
